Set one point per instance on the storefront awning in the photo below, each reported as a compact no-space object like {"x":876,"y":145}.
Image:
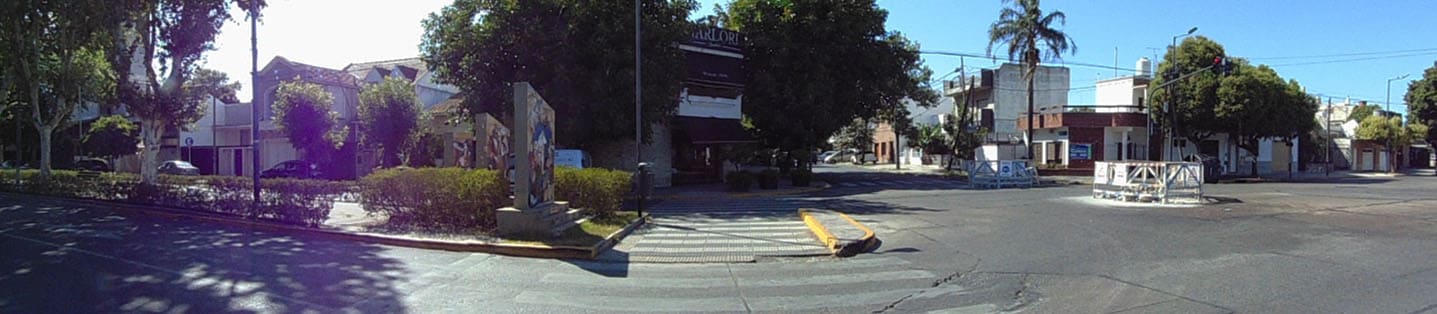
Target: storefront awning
{"x":712,"y":130}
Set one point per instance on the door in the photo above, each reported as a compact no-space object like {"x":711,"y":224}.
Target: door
{"x":239,"y":162}
{"x":1281,"y":156}
{"x":1365,"y":160}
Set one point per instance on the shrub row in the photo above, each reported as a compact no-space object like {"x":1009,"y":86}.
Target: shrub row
{"x":448,"y":199}
{"x":289,"y":201}
{"x":742,"y":181}
{"x":455,"y":199}
{"x":599,"y":190}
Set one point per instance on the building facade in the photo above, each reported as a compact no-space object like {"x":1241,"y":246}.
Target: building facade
{"x":1000,"y":97}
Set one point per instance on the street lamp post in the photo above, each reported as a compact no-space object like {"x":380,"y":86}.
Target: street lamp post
{"x":1172,"y":118}
{"x":254,"y":101}
{"x":1392,"y":153}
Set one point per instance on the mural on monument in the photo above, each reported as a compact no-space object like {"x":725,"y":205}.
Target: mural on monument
{"x":541,"y":151}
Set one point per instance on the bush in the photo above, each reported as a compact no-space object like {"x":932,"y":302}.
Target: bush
{"x":452,"y":199}
{"x":801,"y":177}
{"x":739,"y":181}
{"x":768,"y":179}
{"x":297,"y":202}
{"x":601,"y":191}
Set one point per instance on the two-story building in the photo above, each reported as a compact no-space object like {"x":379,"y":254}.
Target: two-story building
{"x":1000,"y":97}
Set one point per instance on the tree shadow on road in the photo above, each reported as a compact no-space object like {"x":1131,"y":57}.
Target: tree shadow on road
{"x":58,"y":256}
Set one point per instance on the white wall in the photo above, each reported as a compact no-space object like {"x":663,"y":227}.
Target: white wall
{"x":1010,"y":97}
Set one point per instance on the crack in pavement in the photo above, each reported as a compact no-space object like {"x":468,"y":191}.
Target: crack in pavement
{"x":935,"y":284}
{"x":1428,"y":309}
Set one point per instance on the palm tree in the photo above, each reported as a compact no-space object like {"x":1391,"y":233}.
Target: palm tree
{"x":1022,"y":27}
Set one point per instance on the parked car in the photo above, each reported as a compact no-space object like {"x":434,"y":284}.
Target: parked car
{"x":294,"y":169}
{"x":865,"y":157}
{"x":827,"y":157}
{"x":14,"y":164}
{"x":179,"y":167}
{"x":93,"y":164}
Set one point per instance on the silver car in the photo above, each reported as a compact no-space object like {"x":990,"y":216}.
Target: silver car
{"x":179,"y":168}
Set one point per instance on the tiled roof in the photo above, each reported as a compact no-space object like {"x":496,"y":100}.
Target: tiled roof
{"x":410,"y":68}
{"x":316,"y":73}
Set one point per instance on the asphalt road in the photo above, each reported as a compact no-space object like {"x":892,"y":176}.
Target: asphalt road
{"x":1364,"y":245}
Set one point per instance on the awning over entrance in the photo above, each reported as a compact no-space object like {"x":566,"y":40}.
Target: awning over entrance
{"x":712,"y":130}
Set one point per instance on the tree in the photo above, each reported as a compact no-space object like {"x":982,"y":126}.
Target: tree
{"x":56,"y":48}
{"x":1024,"y":28}
{"x":302,"y":112}
{"x":1255,"y":103}
{"x":932,"y":139}
{"x":857,"y":136}
{"x":1422,"y":103}
{"x":578,"y":54}
{"x":814,"y":67}
{"x":1187,"y":108}
{"x":389,"y":118}
{"x":1361,"y":113}
{"x":168,"y":37}
{"x":207,"y":82}
{"x":112,"y":136}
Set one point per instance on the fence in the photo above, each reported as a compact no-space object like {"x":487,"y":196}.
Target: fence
{"x":1148,"y":181}
{"x":1000,"y":173}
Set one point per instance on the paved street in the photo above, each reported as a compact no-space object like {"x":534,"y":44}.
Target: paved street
{"x":1358,"y":245}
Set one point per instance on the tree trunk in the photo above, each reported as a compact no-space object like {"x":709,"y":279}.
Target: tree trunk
{"x":1032,"y":72}
{"x":45,"y":135}
{"x":150,"y":132}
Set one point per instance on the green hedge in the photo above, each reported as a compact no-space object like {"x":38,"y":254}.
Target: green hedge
{"x":739,"y":181}
{"x":768,"y":179}
{"x":801,"y":177}
{"x":296,"y":202}
{"x":452,"y":199}
{"x":601,"y":191}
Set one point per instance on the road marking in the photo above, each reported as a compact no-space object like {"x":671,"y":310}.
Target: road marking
{"x":660,"y":303}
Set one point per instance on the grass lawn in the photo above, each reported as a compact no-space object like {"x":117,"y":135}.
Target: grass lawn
{"x":588,"y":233}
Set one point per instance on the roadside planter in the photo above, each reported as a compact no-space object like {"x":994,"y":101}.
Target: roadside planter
{"x":1148,"y":181}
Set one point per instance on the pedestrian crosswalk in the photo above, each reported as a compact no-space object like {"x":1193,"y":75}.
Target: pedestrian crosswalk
{"x":924,"y":183}
{"x":733,"y":230}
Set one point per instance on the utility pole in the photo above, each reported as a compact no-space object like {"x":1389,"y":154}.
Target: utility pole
{"x":1327,"y":124}
{"x":638,"y":87}
{"x":254,"y":101}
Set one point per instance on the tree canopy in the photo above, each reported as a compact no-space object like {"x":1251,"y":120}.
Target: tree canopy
{"x":155,"y":47}
{"x":578,"y":54}
{"x":111,"y":137}
{"x":389,"y":118}
{"x":829,"y":61}
{"x":1422,"y":102}
{"x":1361,"y":113}
{"x":55,"y":51}
{"x":302,"y":112}
{"x":1188,"y":107}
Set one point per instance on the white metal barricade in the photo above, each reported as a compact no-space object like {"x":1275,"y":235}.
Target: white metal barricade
{"x":1000,"y":173}
{"x":1148,"y":181}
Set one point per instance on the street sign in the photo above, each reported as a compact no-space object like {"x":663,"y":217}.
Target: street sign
{"x":189,"y":142}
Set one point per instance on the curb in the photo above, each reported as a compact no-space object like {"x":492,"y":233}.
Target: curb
{"x":817,"y":186}
{"x":840,"y":248}
{"x":510,"y":249}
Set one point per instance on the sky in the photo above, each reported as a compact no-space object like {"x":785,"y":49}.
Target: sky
{"x":1372,"y":41}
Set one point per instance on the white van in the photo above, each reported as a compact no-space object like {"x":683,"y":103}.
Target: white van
{"x":571,"y":157}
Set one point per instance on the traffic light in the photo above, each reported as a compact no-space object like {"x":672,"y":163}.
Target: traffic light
{"x":1221,"y":65}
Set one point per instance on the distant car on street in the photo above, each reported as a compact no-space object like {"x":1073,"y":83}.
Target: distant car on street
{"x":294,"y":169}
{"x":827,"y":157}
{"x":179,"y":168}
{"x":93,"y":164}
{"x":14,"y":164}
{"x":865,"y":157}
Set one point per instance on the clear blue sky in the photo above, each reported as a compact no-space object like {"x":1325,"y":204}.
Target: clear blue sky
{"x":333,"y":33}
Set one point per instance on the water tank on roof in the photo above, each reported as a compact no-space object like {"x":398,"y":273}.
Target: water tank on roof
{"x":1145,"y":67}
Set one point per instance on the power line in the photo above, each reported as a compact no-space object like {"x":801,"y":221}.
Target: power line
{"x":1346,"y":54}
{"x":1356,"y":59}
{"x":974,"y":55}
